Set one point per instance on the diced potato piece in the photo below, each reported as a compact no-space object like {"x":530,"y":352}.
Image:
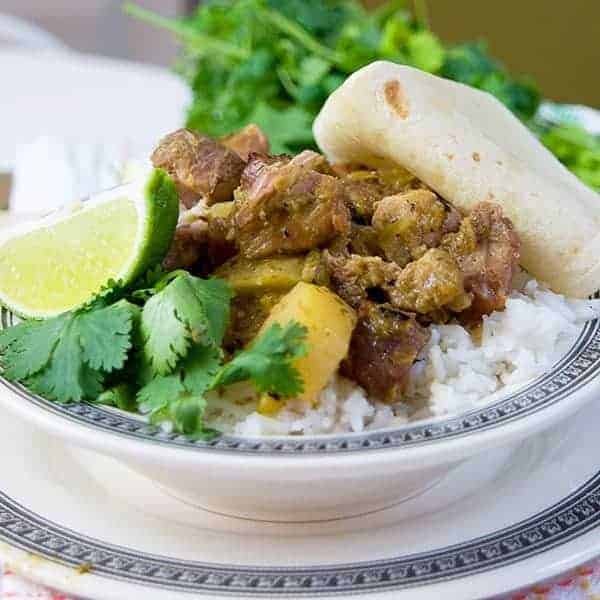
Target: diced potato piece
{"x":269,"y":405}
{"x":330,"y":322}
{"x":257,"y":276}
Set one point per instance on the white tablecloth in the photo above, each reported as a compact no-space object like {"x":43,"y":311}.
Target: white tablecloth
{"x":584,"y":584}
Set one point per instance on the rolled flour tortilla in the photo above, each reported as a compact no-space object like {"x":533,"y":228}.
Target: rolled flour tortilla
{"x":468,"y":147}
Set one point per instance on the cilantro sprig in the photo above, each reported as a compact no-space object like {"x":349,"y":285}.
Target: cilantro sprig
{"x":577,"y":149}
{"x":268,"y":362}
{"x":188,"y":310}
{"x":68,"y":358}
{"x":275,"y":62}
{"x":155,"y":349}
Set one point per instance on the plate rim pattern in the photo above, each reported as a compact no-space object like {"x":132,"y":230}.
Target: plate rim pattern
{"x":571,"y":517}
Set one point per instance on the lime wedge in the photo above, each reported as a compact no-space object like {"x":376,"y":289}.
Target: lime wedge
{"x":59,"y":263}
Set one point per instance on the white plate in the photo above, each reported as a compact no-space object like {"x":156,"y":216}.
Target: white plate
{"x":86,"y":99}
{"x":537,"y":519}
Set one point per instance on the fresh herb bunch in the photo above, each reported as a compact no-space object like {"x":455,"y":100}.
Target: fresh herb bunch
{"x":274,"y":62}
{"x":154,"y":349}
{"x":577,"y":149}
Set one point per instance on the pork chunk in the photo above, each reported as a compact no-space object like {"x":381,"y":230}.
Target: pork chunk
{"x":356,"y":278}
{"x":187,"y":246}
{"x":313,"y":160}
{"x":364,"y":188}
{"x":287,"y":206}
{"x":431,"y":283}
{"x":383,"y":348}
{"x":408,"y":224}
{"x":200,"y":167}
{"x":424,"y":286}
{"x":247,"y":141}
{"x":487,"y":250}
{"x":201,"y":245}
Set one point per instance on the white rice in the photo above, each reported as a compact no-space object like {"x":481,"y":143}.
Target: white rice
{"x":518,"y":344}
{"x":454,"y":372}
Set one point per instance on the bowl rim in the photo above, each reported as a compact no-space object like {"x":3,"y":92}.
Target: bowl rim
{"x":567,"y":385}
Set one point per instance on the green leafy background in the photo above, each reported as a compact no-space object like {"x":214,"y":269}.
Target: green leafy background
{"x":274,"y":62}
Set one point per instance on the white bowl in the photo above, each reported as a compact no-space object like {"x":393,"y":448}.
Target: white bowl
{"x":306,"y":478}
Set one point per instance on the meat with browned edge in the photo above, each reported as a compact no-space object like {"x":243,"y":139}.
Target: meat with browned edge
{"x":384,"y":346}
{"x":200,"y":246}
{"x":429,"y":284}
{"x":285,"y":206}
{"x":189,"y":243}
{"x":355,"y":278}
{"x":410,"y":223}
{"x":365,"y":187}
{"x":200,"y":167}
{"x":424,"y":286}
{"x":247,"y":141}
{"x":487,"y":250}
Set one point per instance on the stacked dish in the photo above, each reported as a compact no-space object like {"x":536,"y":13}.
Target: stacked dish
{"x":505,"y":486}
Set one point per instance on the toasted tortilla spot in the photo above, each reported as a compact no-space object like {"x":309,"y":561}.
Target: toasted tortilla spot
{"x":394,"y":96}
{"x":476,"y":156}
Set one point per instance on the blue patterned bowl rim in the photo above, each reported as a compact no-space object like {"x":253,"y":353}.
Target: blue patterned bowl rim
{"x":577,"y":368}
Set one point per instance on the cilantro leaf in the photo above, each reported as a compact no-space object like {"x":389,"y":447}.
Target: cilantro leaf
{"x":10,"y":335}
{"x":200,"y":368}
{"x":186,"y":413}
{"x":66,"y":377}
{"x":28,"y":346}
{"x":268,"y":361}
{"x":144,"y":287}
{"x":110,"y":292}
{"x":166,"y":336}
{"x":193,"y":376}
{"x":316,"y":16}
{"x":188,"y":309}
{"x":65,"y":358}
{"x":469,"y":63}
{"x":105,"y":335}
{"x":425,"y":51}
{"x":577,"y":149}
{"x":289,"y":128}
{"x":120,"y":396}
{"x":157,"y":394}
{"x":215,"y":297}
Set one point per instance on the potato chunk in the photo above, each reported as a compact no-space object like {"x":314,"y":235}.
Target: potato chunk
{"x":257,"y":276}
{"x":330,"y":322}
